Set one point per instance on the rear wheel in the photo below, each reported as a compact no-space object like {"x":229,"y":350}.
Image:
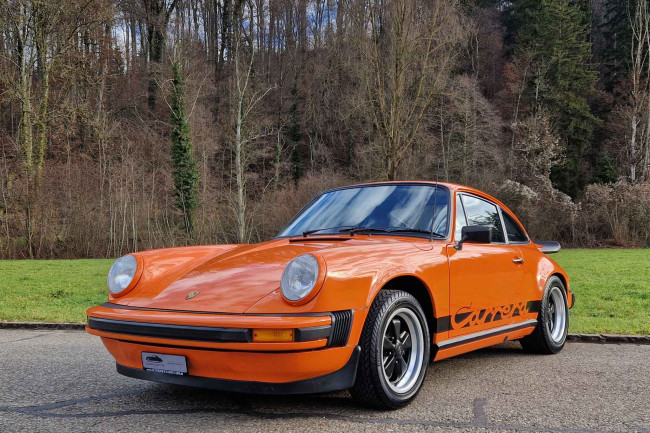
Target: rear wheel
{"x":550,"y":334}
{"x":394,"y":351}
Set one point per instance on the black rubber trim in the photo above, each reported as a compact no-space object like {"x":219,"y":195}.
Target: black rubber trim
{"x":573,"y":299}
{"x":341,"y":327}
{"x":180,"y":332}
{"x":197,"y":333}
{"x":443,"y":346}
{"x":313,"y":333}
{"x":336,"y":381}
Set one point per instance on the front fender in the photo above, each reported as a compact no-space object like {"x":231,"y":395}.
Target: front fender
{"x":353,"y":280}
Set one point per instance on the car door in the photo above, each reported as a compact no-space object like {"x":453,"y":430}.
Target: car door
{"x":484,"y":278}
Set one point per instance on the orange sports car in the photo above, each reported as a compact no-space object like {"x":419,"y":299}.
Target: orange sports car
{"x":362,"y":290}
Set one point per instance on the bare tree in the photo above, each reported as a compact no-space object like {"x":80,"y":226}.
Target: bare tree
{"x":638,"y":146}
{"x":157,"y":15}
{"x":405,"y":60}
{"x":246,"y":97}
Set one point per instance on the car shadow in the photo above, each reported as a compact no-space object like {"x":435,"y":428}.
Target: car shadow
{"x":283,"y":406}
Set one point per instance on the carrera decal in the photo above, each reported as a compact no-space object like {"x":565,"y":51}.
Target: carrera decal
{"x":466,"y":317}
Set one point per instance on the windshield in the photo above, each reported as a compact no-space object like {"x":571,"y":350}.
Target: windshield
{"x":375,"y":208}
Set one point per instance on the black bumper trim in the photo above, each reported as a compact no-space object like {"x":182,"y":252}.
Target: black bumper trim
{"x":208,"y":333}
{"x":179,"y":332}
{"x":336,"y":381}
{"x":312,"y":333}
{"x":337,"y":333}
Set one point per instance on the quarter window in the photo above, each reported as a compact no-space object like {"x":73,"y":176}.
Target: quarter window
{"x":482,"y":213}
{"x":513,"y":229}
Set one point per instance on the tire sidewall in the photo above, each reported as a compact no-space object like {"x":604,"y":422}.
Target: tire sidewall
{"x":405,"y":301}
{"x":553,"y":345}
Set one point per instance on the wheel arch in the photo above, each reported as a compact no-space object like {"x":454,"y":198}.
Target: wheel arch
{"x":419,"y":290}
{"x":563,"y":279}
{"x":570,"y":297}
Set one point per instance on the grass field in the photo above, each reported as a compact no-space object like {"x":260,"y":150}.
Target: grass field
{"x":612,"y":289}
{"x":51,"y":290}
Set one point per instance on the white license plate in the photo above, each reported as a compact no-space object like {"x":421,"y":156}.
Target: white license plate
{"x":161,"y":363}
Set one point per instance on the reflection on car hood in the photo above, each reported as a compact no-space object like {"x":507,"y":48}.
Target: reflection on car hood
{"x":230,"y":282}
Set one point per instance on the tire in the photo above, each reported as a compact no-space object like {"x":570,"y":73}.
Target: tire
{"x":395,"y":387}
{"x":550,"y":333}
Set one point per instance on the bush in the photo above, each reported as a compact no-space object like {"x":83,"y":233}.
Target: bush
{"x":547,"y":214}
{"x":617,"y":214}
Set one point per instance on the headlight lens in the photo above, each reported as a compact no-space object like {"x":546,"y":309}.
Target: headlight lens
{"x":122,"y":273}
{"x":299,"y":277}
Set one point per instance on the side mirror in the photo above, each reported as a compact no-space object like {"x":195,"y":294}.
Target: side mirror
{"x":480,"y":234}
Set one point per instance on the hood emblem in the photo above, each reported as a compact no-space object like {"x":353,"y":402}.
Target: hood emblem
{"x":191,"y":295}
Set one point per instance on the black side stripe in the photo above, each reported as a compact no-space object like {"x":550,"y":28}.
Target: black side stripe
{"x":443,"y":324}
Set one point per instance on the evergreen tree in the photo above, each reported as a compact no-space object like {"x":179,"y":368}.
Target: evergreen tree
{"x":617,"y":36}
{"x":185,"y":174}
{"x":555,"y":35}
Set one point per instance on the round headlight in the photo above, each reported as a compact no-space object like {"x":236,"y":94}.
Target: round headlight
{"x":122,"y":273}
{"x":299,"y":277}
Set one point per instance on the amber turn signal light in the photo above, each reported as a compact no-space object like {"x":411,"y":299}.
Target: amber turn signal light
{"x":272,"y":335}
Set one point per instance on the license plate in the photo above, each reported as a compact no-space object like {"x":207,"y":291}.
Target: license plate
{"x":161,"y":363}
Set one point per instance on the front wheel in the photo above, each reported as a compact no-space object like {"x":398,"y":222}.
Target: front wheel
{"x":395,"y":350}
{"x":550,"y":334}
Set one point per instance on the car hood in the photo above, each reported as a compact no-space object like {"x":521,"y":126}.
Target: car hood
{"x":230,"y":282}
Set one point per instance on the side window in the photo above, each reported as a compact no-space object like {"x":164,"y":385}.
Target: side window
{"x":513,"y":229}
{"x":461,"y":221}
{"x":482,"y":213}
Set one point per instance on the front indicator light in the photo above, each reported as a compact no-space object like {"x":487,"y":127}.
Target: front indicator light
{"x":272,"y":335}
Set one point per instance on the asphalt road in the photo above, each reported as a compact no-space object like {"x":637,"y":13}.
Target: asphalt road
{"x":66,"y":381}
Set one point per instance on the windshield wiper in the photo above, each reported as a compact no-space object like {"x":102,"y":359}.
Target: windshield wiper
{"x":309,"y":232}
{"x":355,"y":230}
{"x":410,"y":230}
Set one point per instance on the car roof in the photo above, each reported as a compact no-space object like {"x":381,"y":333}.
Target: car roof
{"x":451,"y":186}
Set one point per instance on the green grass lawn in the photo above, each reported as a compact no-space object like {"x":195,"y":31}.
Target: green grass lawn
{"x":612,"y":289}
{"x":51,"y":290}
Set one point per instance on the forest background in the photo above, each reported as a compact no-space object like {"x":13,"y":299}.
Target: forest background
{"x":135,"y":124}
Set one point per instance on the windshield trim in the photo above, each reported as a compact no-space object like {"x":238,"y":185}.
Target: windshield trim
{"x":371,"y":185}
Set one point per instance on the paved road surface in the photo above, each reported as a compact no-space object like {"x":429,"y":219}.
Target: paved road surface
{"x":66,"y":381}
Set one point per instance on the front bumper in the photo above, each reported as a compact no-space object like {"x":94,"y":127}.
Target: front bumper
{"x":341,"y":379}
{"x":221,"y":354}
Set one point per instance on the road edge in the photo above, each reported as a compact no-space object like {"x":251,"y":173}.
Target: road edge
{"x":608,"y":338}
{"x":573,"y":338}
{"x":42,"y":325}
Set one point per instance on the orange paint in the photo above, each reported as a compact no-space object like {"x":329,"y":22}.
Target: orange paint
{"x":478,"y":288}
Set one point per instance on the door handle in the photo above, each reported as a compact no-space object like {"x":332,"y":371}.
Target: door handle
{"x":519,"y":261}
